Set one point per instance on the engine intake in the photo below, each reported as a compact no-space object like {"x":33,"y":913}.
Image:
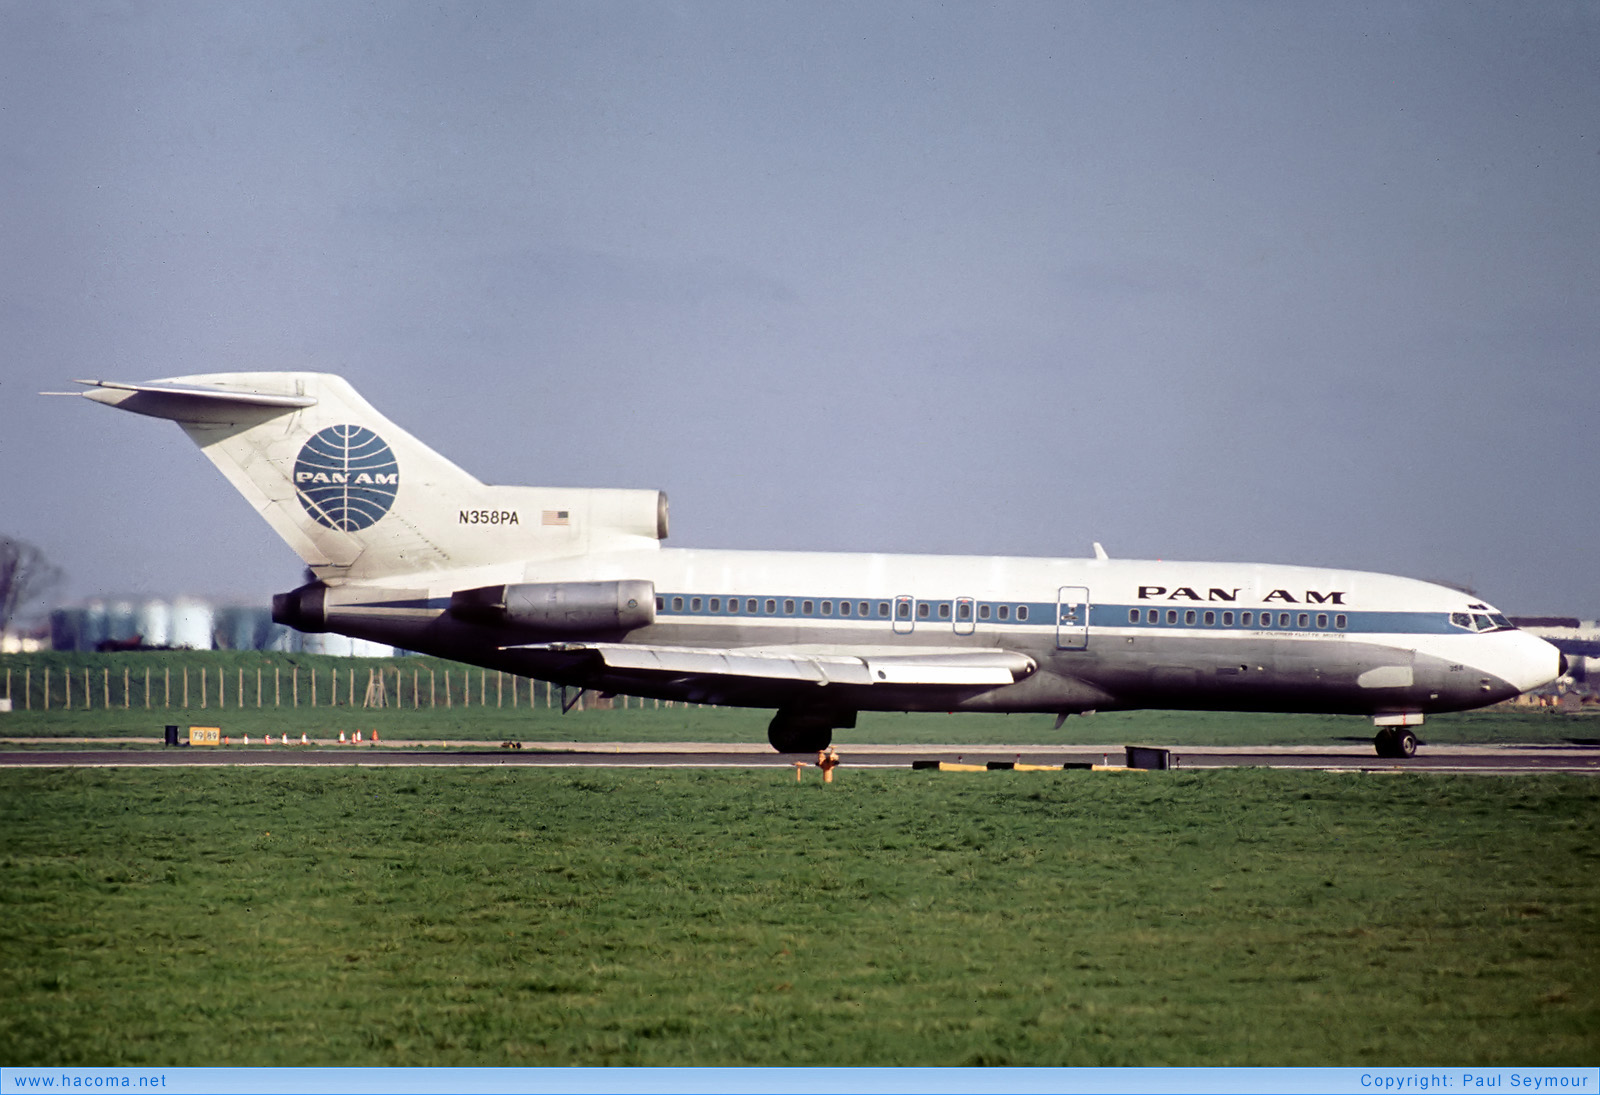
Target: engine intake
{"x":559,"y":606}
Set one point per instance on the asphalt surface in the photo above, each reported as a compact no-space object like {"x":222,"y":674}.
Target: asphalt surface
{"x":1484,"y":759}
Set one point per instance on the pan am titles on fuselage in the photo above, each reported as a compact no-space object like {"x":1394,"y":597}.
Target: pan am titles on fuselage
{"x":574,"y":586}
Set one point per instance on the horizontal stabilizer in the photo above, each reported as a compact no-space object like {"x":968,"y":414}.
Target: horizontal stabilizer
{"x":985,"y":667}
{"x":188,"y":403}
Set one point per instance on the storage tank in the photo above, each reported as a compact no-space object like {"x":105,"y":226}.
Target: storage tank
{"x":66,"y":629}
{"x":154,"y":621}
{"x":120,"y":623}
{"x":191,"y":624}
{"x":94,"y":630}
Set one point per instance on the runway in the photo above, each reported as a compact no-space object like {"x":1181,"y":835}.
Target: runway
{"x":1480,"y":759}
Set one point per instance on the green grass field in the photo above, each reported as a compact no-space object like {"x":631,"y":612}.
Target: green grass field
{"x":454,"y":917}
{"x":486,"y":712}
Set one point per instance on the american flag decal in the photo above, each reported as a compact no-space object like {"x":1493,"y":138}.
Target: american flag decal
{"x":556,"y":517}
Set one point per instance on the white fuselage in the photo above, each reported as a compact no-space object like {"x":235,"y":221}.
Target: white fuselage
{"x":1105,"y":633}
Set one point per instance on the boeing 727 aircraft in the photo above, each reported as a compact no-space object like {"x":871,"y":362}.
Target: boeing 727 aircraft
{"x":573,"y":586}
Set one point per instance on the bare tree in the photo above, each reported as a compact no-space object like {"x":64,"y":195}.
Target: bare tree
{"x":24,"y":574}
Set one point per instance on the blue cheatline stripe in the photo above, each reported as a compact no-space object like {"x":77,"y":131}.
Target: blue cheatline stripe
{"x":1042,"y":614}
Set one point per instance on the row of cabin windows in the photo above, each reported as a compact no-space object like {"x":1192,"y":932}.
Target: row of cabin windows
{"x":926,"y":610}
{"x":756,"y":606}
{"x":1209,"y":618}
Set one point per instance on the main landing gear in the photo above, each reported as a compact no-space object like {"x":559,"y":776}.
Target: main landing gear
{"x":1396,"y":741}
{"x":806,"y":731}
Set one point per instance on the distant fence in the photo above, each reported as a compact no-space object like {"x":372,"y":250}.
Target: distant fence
{"x":178,"y":687}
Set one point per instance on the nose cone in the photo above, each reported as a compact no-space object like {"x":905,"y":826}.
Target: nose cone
{"x":1526,"y":661}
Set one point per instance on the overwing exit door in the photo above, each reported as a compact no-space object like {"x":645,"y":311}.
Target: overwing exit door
{"x":1072,"y":618}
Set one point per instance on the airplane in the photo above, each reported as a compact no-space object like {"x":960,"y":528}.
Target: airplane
{"x":573,"y":586}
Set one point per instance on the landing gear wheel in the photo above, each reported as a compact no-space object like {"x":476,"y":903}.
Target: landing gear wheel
{"x":1396,"y":742}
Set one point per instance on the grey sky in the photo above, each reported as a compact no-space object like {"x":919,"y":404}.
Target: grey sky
{"x":1309,"y":283}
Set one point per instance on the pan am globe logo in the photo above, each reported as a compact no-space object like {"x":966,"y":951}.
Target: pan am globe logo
{"x":346,"y":477}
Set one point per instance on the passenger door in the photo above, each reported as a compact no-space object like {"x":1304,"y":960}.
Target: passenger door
{"x":1072,"y":618}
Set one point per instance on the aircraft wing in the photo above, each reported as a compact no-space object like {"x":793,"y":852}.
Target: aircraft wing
{"x":958,"y":667}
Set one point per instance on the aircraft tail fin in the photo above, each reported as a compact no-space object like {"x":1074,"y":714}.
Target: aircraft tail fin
{"x":357,"y":496}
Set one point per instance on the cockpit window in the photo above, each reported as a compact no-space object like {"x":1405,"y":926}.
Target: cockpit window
{"x":1481,"y":621}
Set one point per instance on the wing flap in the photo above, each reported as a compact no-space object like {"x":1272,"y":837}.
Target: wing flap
{"x":966,"y":668}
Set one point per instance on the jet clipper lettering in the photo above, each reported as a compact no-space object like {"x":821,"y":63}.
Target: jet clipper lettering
{"x":586,"y":595}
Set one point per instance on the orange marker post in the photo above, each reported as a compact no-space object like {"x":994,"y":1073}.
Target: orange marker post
{"x":827,"y":761}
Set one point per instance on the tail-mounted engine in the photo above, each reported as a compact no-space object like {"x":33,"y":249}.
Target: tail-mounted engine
{"x":564,"y":607}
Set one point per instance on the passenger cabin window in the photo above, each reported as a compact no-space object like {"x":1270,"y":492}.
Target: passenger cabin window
{"x":844,"y":608}
{"x":883,"y":610}
{"x":863,"y":607}
{"x":677,"y":604}
{"x":1188,"y":617}
{"x":788,"y":608}
{"x":661,"y":603}
{"x":716,"y":604}
{"x":983,"y":612}
{"x":964,"y":610}
{"x":944,"y":610}
{"x":902,"y":610}
{"x":1152,"y":616}
{"x":1266,"y":619}
{"x":1172,"y":616}
{"x":1211,"y":619}
{"x":1340,"y":621}
{"x":1004,"y":612}
{"x":1283,"y":619}
{"x":1245,"y":618}
{"x":1022,"y":612}
{"x":1305,"y":619}
{"x":1133,"y":615}
{"x":922,"y":610}
{"x":772,"y":606}
{"x":1322,"y":619}
{"x":1227,"y":619}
